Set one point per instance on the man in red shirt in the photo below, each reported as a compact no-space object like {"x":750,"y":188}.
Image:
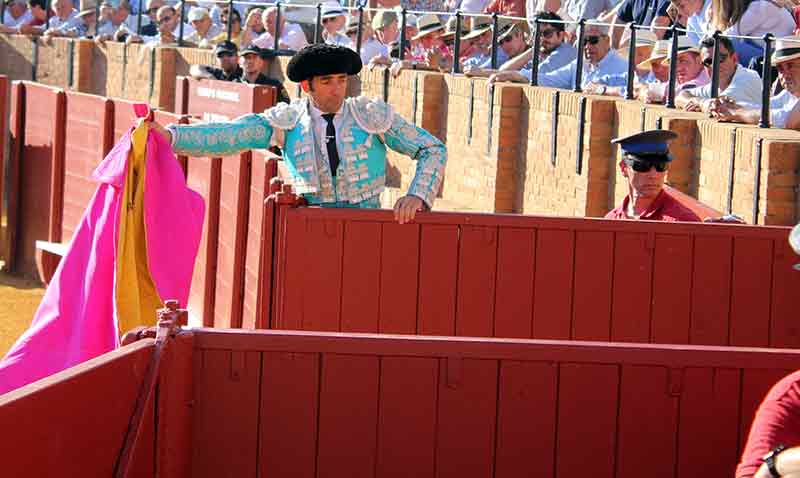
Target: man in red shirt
{"x":645,"y":160}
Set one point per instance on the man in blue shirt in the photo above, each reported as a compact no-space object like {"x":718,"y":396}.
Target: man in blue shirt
{"x":640,"y":12}
{"x":511,"y":42}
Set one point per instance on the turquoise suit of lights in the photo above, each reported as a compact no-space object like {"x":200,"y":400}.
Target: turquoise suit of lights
{"x":367,"y":128}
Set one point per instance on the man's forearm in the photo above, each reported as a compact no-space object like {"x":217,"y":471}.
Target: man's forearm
{"x":518,"y":61}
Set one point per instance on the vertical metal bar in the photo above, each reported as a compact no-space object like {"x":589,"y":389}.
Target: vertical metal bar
{"x":731,"y":171}
{"x":631,"y":62}
{"x":35,"y":58}
{"x":230,"y":19}
{"x":660,"y":122}
{"x":457,"y":44}
{"x":470,"y":110}
{"x":415,"y":98}
{"x":139,"y":18}
{"x":494,"y":39}
{"x":554,"y":129}
{"x":70,"y":62}
{"x":277,"y":44}
{"x":673,"y":64}
{"x":576,"y":87}
{"x":490,"y":120}
{"x":644,"y":119}
{"x":360,"y":30}
{"x":152,"y":85}
{"x":757,"y":174}
{"x":715,"y":66}
{"x":537,"y":45}
{"x":402,"y":51}
{"x":766,"y":85}
{"x":180,"y":26}
{"x":96,"y":18}
{"x":318,"y":25}
{"x":3,"y":12}
{"x":47,"y":13}
{"x":386,"y":85}
{"x":581,"y":131}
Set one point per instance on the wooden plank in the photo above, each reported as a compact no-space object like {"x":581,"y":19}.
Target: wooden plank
{"x":289,"y":405}
{"x":586,"y":434}
{"x":361,"y":271}
{"x":516,"y":260}
{"x":291,"y":257}
{"x":709,"y":421}
{"x":259,"y":189}
{"x":672,"y":285}
{"x":630,"y":319}
{"x":467,"y":414}
{"x":226,"y":382}
{"x":322,"y":275}
{"x":399,"y":275}
{"x":438,"y":272}
{"x":407,"y":421}
{"x":526,"y":419}
{"x":552,"y":297}
{"x":784,"y":330}
{"x":711,"y":290}
{"x":750,"y":292}
{"x":648,"y":421}
{"x":593,"y":281}
{"x":477,"y":271}
{"x":348,"y":416}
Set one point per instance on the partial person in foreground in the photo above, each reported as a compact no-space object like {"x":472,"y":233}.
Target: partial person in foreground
{"x":334,"y":147}
{"x":644,"y":164}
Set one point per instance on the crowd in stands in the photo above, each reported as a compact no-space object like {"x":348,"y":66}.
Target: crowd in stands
{"x":428,"y":42}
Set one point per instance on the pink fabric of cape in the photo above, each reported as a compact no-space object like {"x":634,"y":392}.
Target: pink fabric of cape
{"x":76,"y":320}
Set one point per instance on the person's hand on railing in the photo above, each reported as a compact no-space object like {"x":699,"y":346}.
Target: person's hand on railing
{"x":407,"y":207}
{"x":696,"y":105}
{"x":379,"y":61}
{"x":724,"y":109}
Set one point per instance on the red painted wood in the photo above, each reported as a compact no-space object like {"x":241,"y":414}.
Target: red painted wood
{"x":361,"y":266}
{"x":407,"y":421}
{"x":124,"y":117}
{"x":552,"y":303}
{"x":321,"y":275}
{"x":225,"y":382}
{"x":648,"y":421}
{"x":755,"y":385}
{"x":4,"y":127}
{"x":526,"y":419}
{"x":289,"y":405}
{"x":175,"y":402}
{"x":516,"y":253}
{"x":11,"y":231}
{"x":438,"y":272}
{"x":672,"y":288}
{"x":587,"y":434}
{"x":594,"y":259}
{"x":259,"y":190}
{"x":703,"y":426}
{"x":784,"y":330}
{"x":630,"y":321}
{"x":711,"y":291}
{"x":750,"y":292}
{"x":399,"y":275}
{"x":477,"y":276}
{"x":289,"y":280}
{"x":348,"y":416}
{"x":467,"y":418}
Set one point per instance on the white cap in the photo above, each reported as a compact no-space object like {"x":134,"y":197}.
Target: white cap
{"x":332,"y":10}
{"x":198,"y":13}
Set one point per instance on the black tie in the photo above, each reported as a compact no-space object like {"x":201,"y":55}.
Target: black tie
{"x":330,"y":142}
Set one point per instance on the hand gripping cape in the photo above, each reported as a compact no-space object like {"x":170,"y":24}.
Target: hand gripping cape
{"x":134,"y":248}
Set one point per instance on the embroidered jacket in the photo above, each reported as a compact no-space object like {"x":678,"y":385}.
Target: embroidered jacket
{"x":367,"y":128}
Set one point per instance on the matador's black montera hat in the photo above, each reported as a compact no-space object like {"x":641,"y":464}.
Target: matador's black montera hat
{"x":322,"y":59}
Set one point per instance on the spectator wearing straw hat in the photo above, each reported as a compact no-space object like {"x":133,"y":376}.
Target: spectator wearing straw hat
{"x":784,"y":109}
{"x":689,"y":72}
{"x":431,"y":48}
{"x":511,"y":40}
{"x":83,"y":27}
{"x":16,"y":15}
{"x":333,"y":22}
{"x":479,"y":43}
{"x":292,"y":36}
{"x":204,"y":27}
{"x":736,"y":82}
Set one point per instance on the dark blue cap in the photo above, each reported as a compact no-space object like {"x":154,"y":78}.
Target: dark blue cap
{"x":646,"y":143}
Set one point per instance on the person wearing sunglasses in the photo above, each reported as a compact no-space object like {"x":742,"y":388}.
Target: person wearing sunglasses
{"x":644,"y":165}
{"x":735,"y":81}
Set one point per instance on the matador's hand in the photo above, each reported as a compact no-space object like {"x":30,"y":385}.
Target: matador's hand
{"x":162,"y":131}
{"x":406,"y":208}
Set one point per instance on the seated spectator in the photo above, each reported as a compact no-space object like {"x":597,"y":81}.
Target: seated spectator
{"x":696,"y":12}
{"x":466,"y":6}
{"x":569,"y":10}
{"x":751,"y":18}
{"x":784,"y":109}
{"x":735,"y":81}
{"x":227,"y":69}
{"x":432,"y":50}
{"x":511,"y":38}
{"x":423,"y":5}
{"x":253,"y":21}
{"x":120,"y":19}
{"x":16,"y":15}
{"x":449,"y":38}
{"x":333,"y":22}
{"x":645,"y":43}
{"x":66,"y":16}
{"x":602,"y":65}
{"x":689,"y":73}
{"x":640,"y":12}
{"x":167,"y":21}
{"x":238,"y":36}
{"x":38,"y":9}
{"x":554,"y":53}
{"x":644,"y":164}
{"x":204,"y":29}
{"x":292,"y":36}
{"x":411,"y":26}
{"x":775,"y":426}
{"x":370,"y":47}
{"x":477,"y":44}
{"x":85,"y":23}
{"x":149,"y":20}
{"x":255,"y":61}
{"x":512,"y":8}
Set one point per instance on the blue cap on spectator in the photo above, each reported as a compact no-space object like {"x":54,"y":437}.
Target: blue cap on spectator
{"x":653,"y":142}
{"x":225,"y":46}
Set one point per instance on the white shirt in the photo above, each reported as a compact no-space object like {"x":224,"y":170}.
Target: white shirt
{"x":320,"y":125}
{"x":745,"y":88}
{"x":372,"y":48}
{"x":763,"y":17}
{"x":12,"y":22}
{"x":780,"y":106}
{"x":697,"y":24}
{"x":473,"y":6}
{"x":194,"y":37}
{"x":292,"y":36}
{"x":71,"y":20}
{"x":337,"y":38}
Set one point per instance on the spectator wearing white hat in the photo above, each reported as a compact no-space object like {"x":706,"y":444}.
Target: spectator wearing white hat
{"x":431,"y":49}
{"x":333,"y":20}
{"x":16,"y":15}
{"x":204,"y":28}
{"x":292,"y":35}
{"x":784,"y":107}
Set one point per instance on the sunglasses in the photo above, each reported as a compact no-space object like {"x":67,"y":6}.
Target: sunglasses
{"x":165,"y":20}
{"x":593,"y":40}
{"x":641,"y":166}
{"x":506,"y":39}
{"x":547,"y":33}
{"x":709,"y":60}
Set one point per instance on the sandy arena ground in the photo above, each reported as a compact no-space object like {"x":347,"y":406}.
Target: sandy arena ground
{"x":19,"y":299}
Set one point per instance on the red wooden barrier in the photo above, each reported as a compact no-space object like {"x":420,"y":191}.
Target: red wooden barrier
{"x":312,"y":404}
{"x":36,"y":172}
{"x":4,"y":116}
{"x":535,"y":277}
